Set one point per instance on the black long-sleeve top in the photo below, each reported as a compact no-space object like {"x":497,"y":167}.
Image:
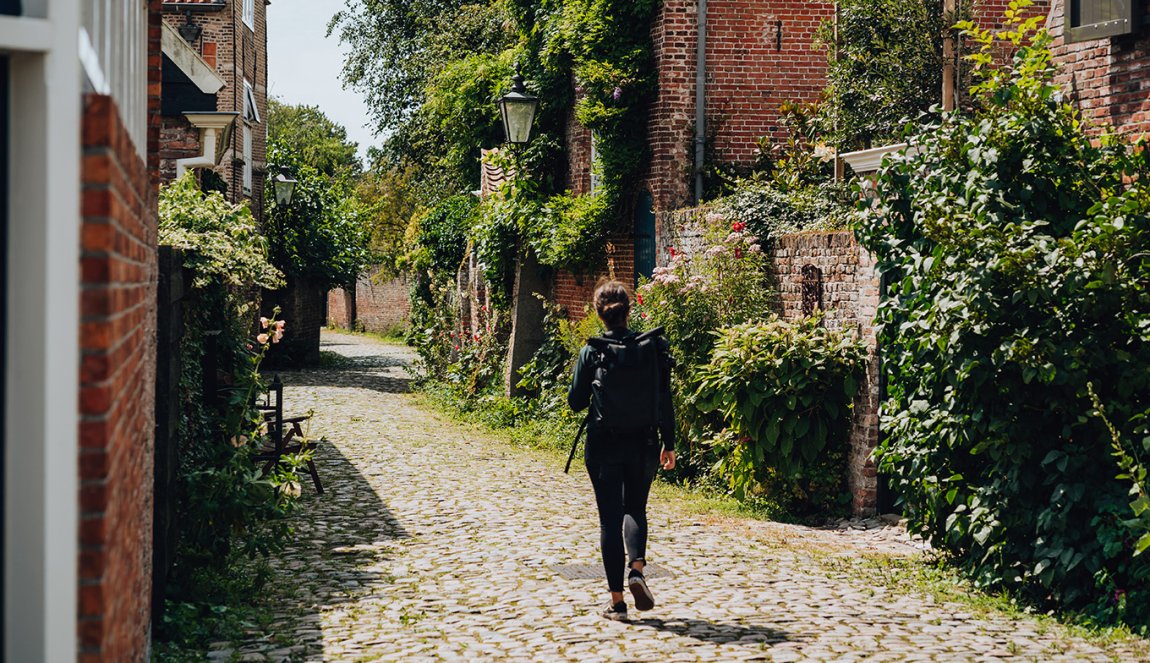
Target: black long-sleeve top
{"x":579,"y":394}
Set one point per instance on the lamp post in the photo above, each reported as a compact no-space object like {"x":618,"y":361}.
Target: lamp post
{"x":284,"y":185}
{"x":518,"y":111}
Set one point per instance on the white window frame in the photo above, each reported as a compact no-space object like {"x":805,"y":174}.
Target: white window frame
{"x":41,"y":468}
{"x":247,"y":160}
{"x":249,"y":14}
{"x":251,"y":110}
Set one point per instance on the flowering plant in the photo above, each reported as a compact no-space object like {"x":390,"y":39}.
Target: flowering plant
{"x":694,"y":295}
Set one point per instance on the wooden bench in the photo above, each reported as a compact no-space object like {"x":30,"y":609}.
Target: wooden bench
{"x":285,"y":434}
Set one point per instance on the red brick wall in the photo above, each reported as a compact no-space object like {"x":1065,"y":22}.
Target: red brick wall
{"x":382,"y":305}
{"x":1108,"y":79}
{"x":117,"y":374}
{"x":573,"y":291}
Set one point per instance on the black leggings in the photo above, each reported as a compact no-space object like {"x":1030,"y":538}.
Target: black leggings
{"x":622,"y":479}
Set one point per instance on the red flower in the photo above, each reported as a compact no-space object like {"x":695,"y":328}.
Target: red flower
{"x":639,"y":298}
{"x":477,"y":337}
{"x":738,"y":253}
{"x":671,"y":250}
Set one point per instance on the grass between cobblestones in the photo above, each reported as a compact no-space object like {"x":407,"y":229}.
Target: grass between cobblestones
{"x":926,"y":574}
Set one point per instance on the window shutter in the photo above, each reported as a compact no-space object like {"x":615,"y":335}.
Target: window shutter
{"x":1097,"y":19}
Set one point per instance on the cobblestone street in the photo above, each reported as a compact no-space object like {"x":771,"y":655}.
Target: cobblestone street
{"x":436,"y":542}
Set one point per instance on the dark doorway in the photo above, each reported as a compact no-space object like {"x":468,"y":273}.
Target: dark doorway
{"x":645,"y":252}
{"x":9,"y":8}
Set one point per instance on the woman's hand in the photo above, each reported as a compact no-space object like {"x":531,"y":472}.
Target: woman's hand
{"x":667,"y":459}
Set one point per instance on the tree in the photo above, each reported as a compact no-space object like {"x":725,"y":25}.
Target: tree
{"x":317,"y":140}
{"x":886,"y":67}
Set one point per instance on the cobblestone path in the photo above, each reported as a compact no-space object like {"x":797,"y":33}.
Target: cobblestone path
{"x":435,"y":542}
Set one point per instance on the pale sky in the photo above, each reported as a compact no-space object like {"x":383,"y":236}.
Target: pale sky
{"x":304,"y":65}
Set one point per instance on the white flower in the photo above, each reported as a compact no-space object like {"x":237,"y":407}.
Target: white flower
{"x":755,"y":248}
{"x":291,"y":489}
{"x":734,"y":237}
{"x":717,"y":250}
{"x":824,"y":152}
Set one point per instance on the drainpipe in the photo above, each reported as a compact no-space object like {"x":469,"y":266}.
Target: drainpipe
{"x":948,"y":87}
{"x":700,"y":101}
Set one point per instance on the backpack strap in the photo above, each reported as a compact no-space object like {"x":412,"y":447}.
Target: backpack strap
{"x":575,"y":444}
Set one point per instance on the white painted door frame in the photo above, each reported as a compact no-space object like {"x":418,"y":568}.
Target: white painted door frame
{"x":42,"y":365}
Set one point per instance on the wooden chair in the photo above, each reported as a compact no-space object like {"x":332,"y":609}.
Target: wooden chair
{"x":285,"y":433}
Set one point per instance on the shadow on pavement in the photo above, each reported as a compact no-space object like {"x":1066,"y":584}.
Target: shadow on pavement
{"x":717,"y":632}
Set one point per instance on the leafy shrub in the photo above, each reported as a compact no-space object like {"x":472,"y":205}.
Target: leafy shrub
{"x":319,"y":234}
{"x":884,"y":65}
{"x":1016,"y":252}
{"x":784,"y":392}
{"x":225,"y":507}
{"x":724,"y":285}
{"x":769,"y":210}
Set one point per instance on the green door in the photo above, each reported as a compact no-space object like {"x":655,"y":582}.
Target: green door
{"x":645,"y":251}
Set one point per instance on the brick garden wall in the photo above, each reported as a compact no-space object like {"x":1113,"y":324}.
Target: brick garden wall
{"x":847,"y":291}
{"x":381,"y":305}
{"x":301,"y":305}
{"x":118,"y":268}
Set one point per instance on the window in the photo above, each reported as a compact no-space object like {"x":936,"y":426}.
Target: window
{"x":1095,"y":19}
{"x":251,"y":110}
{"x":250,"y":14}
{"x":247,"y":160}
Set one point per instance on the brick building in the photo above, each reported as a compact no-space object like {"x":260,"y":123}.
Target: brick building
{"x":1103,"y":48}
{"x":215,"y":95}
{"x":79,"y":119}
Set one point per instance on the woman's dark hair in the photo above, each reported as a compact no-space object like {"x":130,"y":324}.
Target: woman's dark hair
{"x":612,"y":303}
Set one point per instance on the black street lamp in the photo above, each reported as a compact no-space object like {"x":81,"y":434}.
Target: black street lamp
{"x":518,"y":111}
{"x":284,"y":185}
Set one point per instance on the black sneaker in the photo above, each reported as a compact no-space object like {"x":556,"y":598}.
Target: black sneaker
{"x":644,"y":600}
{"x":616,"y":612}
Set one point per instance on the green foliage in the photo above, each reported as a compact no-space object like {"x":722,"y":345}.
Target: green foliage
{"x":319,"y":234}
{"x":1015,"y":252}
{"x":313,"y":137}
{"x":223,"y":241}
{"x":226,"y":509}
{"x":770,"y":211}
{"x":886,"y":69}
{"x":725,"y":284}
{"x":387,"y":204}
{"x":784,"y":392}
{"x":438,"y":237}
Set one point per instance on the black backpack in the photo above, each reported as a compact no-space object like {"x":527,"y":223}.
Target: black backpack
{"x":626,"y":388}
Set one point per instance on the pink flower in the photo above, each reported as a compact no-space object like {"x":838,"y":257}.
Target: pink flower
{"x":280,"y":324}
{"x":279,"y":335}
{"x":617,"y":94}
{"x":264,"y":322}
{"x":262,"y":338}
{"x":457,"y":347}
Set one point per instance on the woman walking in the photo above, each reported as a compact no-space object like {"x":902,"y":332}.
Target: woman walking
{"x":624,"y":378}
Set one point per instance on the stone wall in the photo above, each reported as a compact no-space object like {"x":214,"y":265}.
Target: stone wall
{"x":381,"y":305}
{"x":117,"y":381}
